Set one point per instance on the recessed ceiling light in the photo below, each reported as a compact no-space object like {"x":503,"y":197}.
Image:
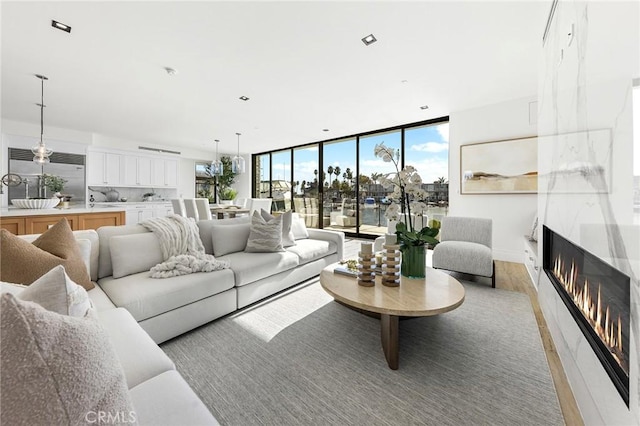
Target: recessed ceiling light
{"x":243,"y":98}
{"x":369,"y":39}
{"x":60,"y":26}
{"x":325,"y":130}
{"x":171,"y":71}
{"x":424,"y":107}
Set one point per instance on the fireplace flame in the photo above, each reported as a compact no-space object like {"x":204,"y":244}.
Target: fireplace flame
{"x":609,"y":330}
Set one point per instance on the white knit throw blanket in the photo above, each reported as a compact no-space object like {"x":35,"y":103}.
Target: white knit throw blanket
{"x":182,"y":250}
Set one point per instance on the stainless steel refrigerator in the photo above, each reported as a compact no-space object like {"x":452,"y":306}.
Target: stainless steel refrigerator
{"x":70,"y":167}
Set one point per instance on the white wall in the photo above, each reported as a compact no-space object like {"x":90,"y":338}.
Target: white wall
{"x":512,"y":214}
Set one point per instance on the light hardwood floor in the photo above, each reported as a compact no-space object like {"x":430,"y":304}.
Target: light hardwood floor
{"x":513,"y":276}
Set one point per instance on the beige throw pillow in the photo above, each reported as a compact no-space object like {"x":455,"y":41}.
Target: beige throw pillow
{"x":56,"y":292}
{"x":229,"y":238}
{"x":57,"y":369}
{"x":23,"y":262}
{"x":298,"y":227}
{"x":134,"y":253}
{"x":264,"y":237}
{"x":288,"y":239}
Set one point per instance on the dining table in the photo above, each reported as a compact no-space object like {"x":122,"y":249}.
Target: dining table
{"x":229,"y":211}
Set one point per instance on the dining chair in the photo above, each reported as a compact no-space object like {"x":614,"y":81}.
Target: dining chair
{"x":178,"y":207}
{"x":203,"y":209}
{"x":190,"y":208}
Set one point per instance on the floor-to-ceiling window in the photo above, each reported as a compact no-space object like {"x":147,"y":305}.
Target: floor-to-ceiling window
{"x":306,"y":166}
{"x":337,"y":184}
{"x":339,"y":207}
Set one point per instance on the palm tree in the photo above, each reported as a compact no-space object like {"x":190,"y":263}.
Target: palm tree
{"x":330,"y":172}
{"x":375,"y":176}
{"x":441,"y":180}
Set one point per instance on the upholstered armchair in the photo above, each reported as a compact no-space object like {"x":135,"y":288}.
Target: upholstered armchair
{"x":465,"y":246}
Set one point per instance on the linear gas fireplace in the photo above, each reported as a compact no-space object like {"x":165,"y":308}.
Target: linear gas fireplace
{"x":598,"y":297}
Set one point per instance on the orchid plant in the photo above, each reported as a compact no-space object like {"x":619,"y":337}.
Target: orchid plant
{"x":407,"y":197}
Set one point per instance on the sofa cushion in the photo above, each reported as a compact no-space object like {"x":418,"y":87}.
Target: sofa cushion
{"x":229,"y":238}
{"x":288,"y":238}
{"x":140,"y":357}
{"x":134,"y":253}
{"x":55,"y":368}
{"x":309,"y":250}
{"x":145,"y":297}
{"x":265,"y":236}
{"x":105,"y":233}
{"x":168,"y":400}
{"x":57,"y":246}
{"x":298,"y":227}
{"x":250,"y":267}
{"x":100,"y":299}
{"x":56,"y":292}
{"x":205,"y":228}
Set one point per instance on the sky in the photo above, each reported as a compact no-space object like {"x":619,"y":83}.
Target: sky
{"x":427,"y":151}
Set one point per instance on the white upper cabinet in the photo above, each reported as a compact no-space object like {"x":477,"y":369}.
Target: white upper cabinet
{"x":103,"y":168}
{"x":119,"y":168}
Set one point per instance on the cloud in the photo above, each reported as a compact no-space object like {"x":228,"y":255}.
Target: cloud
{"x":443,"y":129}
{"x":430,"y":147}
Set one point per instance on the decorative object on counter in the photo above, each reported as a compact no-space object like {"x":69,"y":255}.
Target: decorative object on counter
{"x":92,"y":201}
{"x":237,"y":164}
{"x":53,"y":183}
{"x":36,"y":203}
{"x":110,"y":194}
{"x":40,"y":152}
{"x":408,"y":192}
{"x":64,"y":200}
{"x":391,"y":261}
{"x":10,"y":179}
{"x":366,"y":274}
{"x":148,"y":196}
{"x":123,"y":199}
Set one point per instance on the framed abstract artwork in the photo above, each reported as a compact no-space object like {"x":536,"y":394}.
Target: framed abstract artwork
{"x":500,"y":167}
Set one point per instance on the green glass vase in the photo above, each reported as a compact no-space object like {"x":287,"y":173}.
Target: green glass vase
{"x":413,"y":261}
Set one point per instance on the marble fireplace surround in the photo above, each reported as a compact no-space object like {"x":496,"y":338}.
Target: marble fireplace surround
{"x":586,"y":148}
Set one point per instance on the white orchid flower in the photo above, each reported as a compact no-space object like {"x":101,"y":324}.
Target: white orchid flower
{"x":416,"y":179}
{"x":392,"y":212}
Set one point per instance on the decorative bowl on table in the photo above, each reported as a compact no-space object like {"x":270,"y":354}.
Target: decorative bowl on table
{"x":36,"y":203}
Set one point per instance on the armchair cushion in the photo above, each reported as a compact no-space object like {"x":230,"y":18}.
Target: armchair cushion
{"x":463,"y":256}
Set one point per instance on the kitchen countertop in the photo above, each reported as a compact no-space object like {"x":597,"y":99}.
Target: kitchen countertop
{"x":13,"y":212}
{"x":131,"y":203}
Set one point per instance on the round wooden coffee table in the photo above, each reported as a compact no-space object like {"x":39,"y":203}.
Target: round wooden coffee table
{"x":435,"y":294}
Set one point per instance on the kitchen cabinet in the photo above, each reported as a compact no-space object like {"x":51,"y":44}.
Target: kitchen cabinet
{"x":137,"y":171}
{"x":103,"y":168}
{"x":39,"y":223}
{"x":164,"y":173}
{"x":138,"y":213}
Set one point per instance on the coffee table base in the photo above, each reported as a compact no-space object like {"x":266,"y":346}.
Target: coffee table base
{"x":389,"y":335}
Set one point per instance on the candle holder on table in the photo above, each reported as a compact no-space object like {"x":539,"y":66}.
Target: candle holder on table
{"x":391,"y":261}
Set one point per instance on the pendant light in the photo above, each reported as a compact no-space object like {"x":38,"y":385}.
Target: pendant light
{"x":217,"y":168}
{"x":237,"y":164}
{"x":41,"y":152}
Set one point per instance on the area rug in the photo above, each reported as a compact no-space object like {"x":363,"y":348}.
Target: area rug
{"x":302,"y":359}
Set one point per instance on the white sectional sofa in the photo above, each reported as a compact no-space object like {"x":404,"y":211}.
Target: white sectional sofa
{"x":168,"y":307}
{"x":139,"y":311}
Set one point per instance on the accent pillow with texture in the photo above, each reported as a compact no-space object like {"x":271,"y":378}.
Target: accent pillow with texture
{"x":298,"y":227}
{"x":288,"y":239}
{"x":57,"y":369}
{"x":229,"y":238}
{"x":134,"y":253}
{"x":56,"y":292}
{"x":23,"y":262}
{"x":12,"y":288}
{"x":264,"y":237}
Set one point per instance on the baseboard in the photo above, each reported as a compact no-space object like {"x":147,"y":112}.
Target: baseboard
{"x":508,"y":255}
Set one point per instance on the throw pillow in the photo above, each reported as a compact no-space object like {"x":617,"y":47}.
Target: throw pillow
{"x":57,"y":246}
{"x":134,"y":253}
{"x":12,"y":288}
{"x":56,"y":292}
{"x":229,"y":238}
{"x":288,"y":239}
{"x":264,"y":236}
{"x":57,"y":369}
{"x":298,"y":227}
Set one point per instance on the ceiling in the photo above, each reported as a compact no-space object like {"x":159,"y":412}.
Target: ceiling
{"x":302,"y":64}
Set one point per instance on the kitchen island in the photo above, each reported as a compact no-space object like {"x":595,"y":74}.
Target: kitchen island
{"x":36,"y":221}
